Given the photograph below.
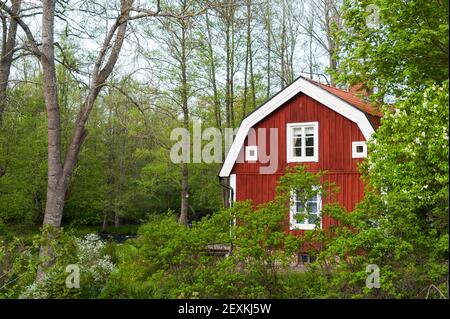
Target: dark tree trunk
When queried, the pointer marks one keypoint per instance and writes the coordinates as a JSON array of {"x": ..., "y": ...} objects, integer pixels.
[{"x": 7, "y": 50}]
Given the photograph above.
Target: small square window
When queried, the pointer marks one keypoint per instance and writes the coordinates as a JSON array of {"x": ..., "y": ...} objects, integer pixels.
[
  {"x": 359, "y": 149},
  {"x": 251, "y": 153}
]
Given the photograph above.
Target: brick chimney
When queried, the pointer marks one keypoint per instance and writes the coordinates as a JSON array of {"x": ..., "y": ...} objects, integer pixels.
[{"x": 360, "y": 89}]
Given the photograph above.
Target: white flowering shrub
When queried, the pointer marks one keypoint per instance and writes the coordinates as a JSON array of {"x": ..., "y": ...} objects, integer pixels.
[
  {"x": 92, "y": 259},
  {"x": 88, "y": 254},
  {"x": 402, "y": 224},
  {"x": 412, "y": 145},
  {"x": 38, "y": 289}
]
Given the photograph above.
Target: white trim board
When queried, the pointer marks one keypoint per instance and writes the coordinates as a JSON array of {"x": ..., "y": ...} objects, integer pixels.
[
  {"x": 233, "y": 186},
  {"x": 300, "y": 85}
]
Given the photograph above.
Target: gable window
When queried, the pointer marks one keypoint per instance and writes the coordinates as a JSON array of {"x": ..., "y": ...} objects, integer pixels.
[
  {"x": 302, "y": 142},
  {"x": 251, "y": 153},
  {"x": 359, "y": 149},
  {"x": 309, "y": 212}
]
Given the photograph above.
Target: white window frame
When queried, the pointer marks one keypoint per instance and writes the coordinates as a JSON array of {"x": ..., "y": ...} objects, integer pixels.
[
  {"x": 294, "y": 224},
  {"x": 289, "y": 143},
  {"x": 355, "y": 153},
  {"x": 248, "y": 156}
]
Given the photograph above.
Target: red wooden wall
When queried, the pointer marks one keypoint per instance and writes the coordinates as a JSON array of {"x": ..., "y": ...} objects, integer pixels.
[{"x": 336, "y": 134}]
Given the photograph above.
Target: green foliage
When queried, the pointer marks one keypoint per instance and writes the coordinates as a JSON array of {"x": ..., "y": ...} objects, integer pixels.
[
  {"x": 22, "y": 158},
  {"x": 19, "y": 262},
  {"x": 402, "y": 224},
  {"x": 169, "y": 260},
  {"x": 124, "y": 173},
  {"x": 165, "y": 261},
  {"x": 409, "y": 154},
  {"x": 408, "y": 48}
]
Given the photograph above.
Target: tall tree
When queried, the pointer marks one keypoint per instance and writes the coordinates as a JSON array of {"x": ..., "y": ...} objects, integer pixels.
[
  {"x": 179, "y": 41},
  {"x": 394, "y": 45},
  {"x": 268, "y": 44},
  {"x": 212, "y": 70},
  {"x": 59, "y": 169},
  {"x": 8, "y": 47},
  {"x": 248, "y": 70},
  {"x": 227, "y": 16}
]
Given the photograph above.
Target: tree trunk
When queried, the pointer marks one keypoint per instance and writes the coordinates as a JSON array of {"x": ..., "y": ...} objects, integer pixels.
[
  {"x": 116, "y": 220},
  {"x": 184, "y": 195},
  {"x": 7, "y": 51},
  {"x": 217, "y": 109},
  {"x": 229, "y": 39},
  {"x": 58, "y": 174},
  {"x": 283, "y": 47},
  {"x": 249, "y": 63},
  {"x": 269, "y": 46},
  {"x": 331, "y": 22},
  {"x": 184, "y": 209},
  {"x": 105, "y": 221},
  {"x": 56, "y": 181}
]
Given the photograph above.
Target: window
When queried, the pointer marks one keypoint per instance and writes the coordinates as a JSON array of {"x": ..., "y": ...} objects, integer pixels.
[
  {"x": 251, "y": 153},
  {"x": 359, "y": 149},
  {"x": 305, "y": 259},
  {"x": 303, "y": 142},
  {"x": 310, "y": 211}
]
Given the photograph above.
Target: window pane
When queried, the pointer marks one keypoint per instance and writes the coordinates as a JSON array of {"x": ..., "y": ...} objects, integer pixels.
[
  {"x": 309, "y": 130},
  {"x": 312, "y": 207},
  {"x": 313, "y": 219},
  {"x": 297, "y": 131},
  {"x": 359, "y": 149},
  {"x": 298, "y": 219},
  {"x": 297, "y": 151},
  {"x": 309, "y": 140},
  {"x": 304, "y": 259},
  {"x": 309, "y": 151},
  {"x": 297, "y": 141},
  {"x": 298, "y": 207}
]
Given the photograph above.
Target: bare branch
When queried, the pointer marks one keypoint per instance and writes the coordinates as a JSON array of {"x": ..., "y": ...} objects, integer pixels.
[{"x": 24, "y": 26}]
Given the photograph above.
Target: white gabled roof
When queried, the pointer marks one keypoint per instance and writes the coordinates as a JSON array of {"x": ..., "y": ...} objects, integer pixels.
[{"x": 301, "y": 85}]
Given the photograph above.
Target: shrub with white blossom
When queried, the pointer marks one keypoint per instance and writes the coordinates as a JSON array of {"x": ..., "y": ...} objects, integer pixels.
[
  {"x": 88, "y": 253},
  {"x": 402, "y": 224}
]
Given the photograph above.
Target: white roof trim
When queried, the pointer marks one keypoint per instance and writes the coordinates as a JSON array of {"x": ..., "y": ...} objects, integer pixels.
[{"x": 300, "y": 85}]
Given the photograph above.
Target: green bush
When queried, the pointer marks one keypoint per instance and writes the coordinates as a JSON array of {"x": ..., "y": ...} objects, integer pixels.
[
  {"x": 19, "y": 261},
  {"x": 402, "y": 224},
  {"x": 169, "y": 260}
]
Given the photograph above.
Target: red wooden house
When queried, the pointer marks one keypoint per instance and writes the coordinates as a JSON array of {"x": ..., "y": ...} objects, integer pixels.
[{"x": 319, "y": 126}]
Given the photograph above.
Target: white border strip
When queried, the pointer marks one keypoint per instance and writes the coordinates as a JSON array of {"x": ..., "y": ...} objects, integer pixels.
[{"x": 233, "y": 186}]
